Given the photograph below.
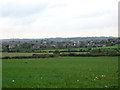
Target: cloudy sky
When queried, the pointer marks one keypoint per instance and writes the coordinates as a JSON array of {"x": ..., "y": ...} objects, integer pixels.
[{"x": 58, "y": 18}]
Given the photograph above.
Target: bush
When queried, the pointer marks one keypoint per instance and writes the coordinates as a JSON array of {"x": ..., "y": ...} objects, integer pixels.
[
  {"x": 6, "y": 57},
  {"x": 43, "y": 55},
  {"x": 112, "y": 52},
  {"x": 104, "y": 52},
  {"x": 64, "y": 54},
  {"x": 56, "y": 52}
]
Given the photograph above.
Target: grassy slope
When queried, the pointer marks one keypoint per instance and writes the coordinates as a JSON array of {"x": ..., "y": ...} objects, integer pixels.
[
  {"x": 20, "y": 54},
  {"x": 63, "y": 49},
  {"x": 115, "y": 46},
  {"x": 63, "y": 72},
  {"x": 30, "y": 54}
]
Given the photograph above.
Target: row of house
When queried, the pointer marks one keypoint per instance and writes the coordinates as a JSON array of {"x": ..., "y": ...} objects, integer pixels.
[{"x": 37, "y": 45}]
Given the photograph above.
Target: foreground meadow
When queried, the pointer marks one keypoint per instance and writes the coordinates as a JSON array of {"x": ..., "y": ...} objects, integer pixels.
[{"x": 61, "y": 72}]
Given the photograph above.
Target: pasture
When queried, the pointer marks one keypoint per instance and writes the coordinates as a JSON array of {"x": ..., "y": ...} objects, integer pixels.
[
  {"x": 109, "y": 47},
  {"x": 78, "y": 49},
  {"x": 5, "y": 54},
  {"x": 20, "y": 54},
  {"x": 60, "y": 72}
]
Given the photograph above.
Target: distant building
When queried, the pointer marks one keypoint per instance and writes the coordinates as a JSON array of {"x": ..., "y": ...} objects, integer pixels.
[{"x": 11, "y": 46}]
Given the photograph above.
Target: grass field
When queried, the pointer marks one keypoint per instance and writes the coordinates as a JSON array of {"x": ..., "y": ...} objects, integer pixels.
[
  {"x": 61, "y": 72},
  {"x": 47, "y": 51},
  {"x": 115, "y": 46},
  {"x": 20, "y": 54},
  {"x": 53, "y": 50},
  {"x": 71, "y": 49},
  {"x": 30, "y": 54},
  {"x": 77, "y": 49}
]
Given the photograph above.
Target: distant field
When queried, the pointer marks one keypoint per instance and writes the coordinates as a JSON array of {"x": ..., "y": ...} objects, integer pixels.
[
  {"x": 62, "y": 72},
  {"x": 47, "y": 51},
  {"x": 53, "y": 50},
  {"x": 77, "y": 49},
  {"x": 115, "y": 46},
  {"x": 76, "y": 52},
  {"x": 20, "y": 54},
  {"x": 30, "y": 54}
]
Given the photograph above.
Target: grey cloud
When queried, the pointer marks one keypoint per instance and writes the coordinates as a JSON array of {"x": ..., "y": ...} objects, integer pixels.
[{"x": 21, "y": 10}]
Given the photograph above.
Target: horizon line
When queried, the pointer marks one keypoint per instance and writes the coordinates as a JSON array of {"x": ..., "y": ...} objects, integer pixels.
[{"x": 60, "y": 37}]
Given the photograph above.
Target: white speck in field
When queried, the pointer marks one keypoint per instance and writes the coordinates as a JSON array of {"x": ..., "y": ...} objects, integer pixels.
[
  {"x": 13, "y": 81},
  {"x": 77, "y": 80},
  {"x": 41, "y": 77},
  {"x": 103, "y": 75},
  {"x": 96, "y": 77},
  {"x": 105, "y": 86}
]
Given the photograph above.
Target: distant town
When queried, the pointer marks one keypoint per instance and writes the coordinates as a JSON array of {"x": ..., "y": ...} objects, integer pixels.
[{"x": 31, "y": 45}]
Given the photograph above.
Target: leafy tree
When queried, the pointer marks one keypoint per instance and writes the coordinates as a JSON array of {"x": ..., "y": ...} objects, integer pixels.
[{"x": 59, "y": 45}]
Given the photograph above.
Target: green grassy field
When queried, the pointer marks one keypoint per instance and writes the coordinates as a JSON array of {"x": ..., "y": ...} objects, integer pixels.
[
  {"x": 77, "y": 49},
  {"x": 115, "y": 46},
  {"x": 47, "y": 51},
  {"x": 71, "y": 49},
  {"x": 61, "y": 72},
  {"x": 53, "y": 50},
  {"x": 20, "y": 54},
  {"x": 30, "y": 54}
]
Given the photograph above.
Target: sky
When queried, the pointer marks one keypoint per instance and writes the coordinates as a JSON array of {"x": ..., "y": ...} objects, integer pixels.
[{"x": 58, "y": 18}]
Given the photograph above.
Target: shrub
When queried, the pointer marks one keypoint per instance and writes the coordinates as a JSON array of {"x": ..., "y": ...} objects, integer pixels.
[
  {"x": 64, "y": 54},
  {"x": 56, "y": 52},
  {"x": 112, "y": 52},
  {"x": 6, "y": 57}
]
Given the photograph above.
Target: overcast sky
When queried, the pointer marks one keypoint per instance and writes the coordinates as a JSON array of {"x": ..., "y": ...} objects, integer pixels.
[{"x": 58, "y": 18}]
